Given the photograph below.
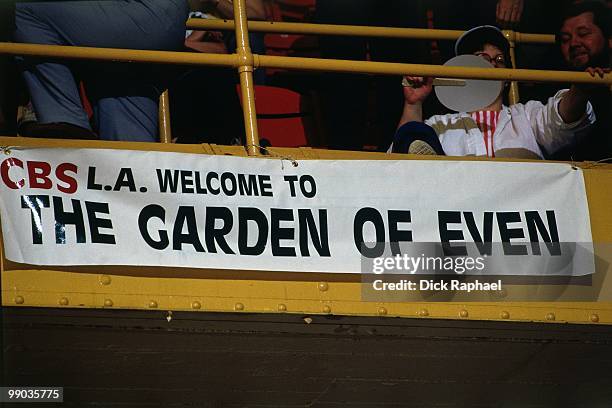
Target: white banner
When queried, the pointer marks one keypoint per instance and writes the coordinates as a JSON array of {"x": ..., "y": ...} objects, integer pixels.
[{"x": 117, "y": 207}]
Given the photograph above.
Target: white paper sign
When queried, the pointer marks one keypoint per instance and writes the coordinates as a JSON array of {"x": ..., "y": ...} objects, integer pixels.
[{"x": 117, "y": 207}]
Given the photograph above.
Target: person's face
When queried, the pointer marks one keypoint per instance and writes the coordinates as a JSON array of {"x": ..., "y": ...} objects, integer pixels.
[
  {"x": 581, "y": 40},
  {"x": 493, "y": 55}
]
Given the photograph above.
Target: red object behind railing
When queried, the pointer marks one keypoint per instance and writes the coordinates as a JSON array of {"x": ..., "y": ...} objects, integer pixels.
[{"x": 279, "y": 116}]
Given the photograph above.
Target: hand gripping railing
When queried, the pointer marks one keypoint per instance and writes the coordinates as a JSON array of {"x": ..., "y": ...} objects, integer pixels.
[{"x": 245, "y": 61}]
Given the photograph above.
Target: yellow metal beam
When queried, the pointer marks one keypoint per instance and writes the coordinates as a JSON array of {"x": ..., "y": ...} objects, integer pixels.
[
  {"x": 352, "y": 30},
  {"x": 52, "y": 288},
  {"x": 245, "y": 70}
]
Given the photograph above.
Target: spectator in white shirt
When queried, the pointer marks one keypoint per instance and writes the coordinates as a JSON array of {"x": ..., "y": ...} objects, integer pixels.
[{"x": 530, "y": 130}]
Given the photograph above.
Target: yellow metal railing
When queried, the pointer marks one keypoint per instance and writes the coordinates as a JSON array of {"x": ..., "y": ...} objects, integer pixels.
[
  {"x": 245, "y": 69},
  {"x": 165, "y": 129},
  {"x": 245, "y": 61},
  {"x": 513, "y": 37},
  {"x": 353, "y": 30},
  {"x": 298, "y": 63}
]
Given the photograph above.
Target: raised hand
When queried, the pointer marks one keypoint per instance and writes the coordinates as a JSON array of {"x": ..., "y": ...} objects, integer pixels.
[
  {"x": 416, "y": 89},
  {"x": 574, "y": 102},
  {"x": 598, "y": 71},
  {"x": 509, "y": 12}
]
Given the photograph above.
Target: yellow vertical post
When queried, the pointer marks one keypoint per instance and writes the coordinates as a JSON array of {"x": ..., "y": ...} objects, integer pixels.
[
  {"x": 165, "y": 132},
  {"x": 245, "y": 69},
  {"x": 514, "y": 89}
]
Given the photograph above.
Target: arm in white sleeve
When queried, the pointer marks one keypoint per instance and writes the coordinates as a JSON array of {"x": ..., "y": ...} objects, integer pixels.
[{"x": 551, "y": 132}]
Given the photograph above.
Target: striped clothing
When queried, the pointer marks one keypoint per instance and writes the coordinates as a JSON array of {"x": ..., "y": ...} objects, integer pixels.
[
  {"x": 487, "y": 123},
  {"x": 523, "y": 131}
]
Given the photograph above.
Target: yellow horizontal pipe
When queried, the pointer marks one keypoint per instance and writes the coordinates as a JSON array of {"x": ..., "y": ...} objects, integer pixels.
[
  {"x": 525, "y": 38},
  {"x": 386, "y": 68},
  {"x": 351, "y": 30},
  {"x": 327, "y": 29},
  {"x": 121, "y": 55},
  {"x": 311, "y": 64}
]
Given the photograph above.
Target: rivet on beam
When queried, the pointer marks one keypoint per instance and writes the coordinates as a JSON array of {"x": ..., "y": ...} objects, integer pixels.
[
  {"x": 238, "y": 307},
  {"x": 382, "y": 311},
  {"x": 323, "y": 286},
  {"x": 550, "y": 316},
  {"x": 108, "y": 303},
  {"x": 423, "y": 313},
  {"x": 505, "y": 315},
  {"x": 595, "y": 318},
  {"x": 326, "y": 309},
  {"x": 63, "y": 301},
  {"x": 282, "y": 307},
  {"x": 105, "y": 280},
  {"x": 463, "y": 313},
  {"x": 196, "y": 305},
  {"x": 152, "y": 304},
  {"x": 19, "y": 300}
]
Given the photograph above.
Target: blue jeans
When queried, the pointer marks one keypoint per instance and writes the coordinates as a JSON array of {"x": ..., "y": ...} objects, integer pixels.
[{"x": 125, "y": 96}]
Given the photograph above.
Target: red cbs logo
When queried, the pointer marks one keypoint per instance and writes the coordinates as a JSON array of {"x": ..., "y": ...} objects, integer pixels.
[{"x": 38, "y": 175}]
